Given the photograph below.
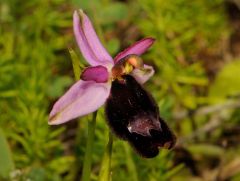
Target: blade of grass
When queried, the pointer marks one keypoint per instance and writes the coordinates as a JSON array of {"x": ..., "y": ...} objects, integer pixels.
[
  {"x": 76, "y": 64},
  {"x": 130, "y": 164},
  {"x": 105, "y": 172},
  {"x": 86, "y": 173},
  {"x": 6, "y": 161},
  {"x": 88, "y": 153}
]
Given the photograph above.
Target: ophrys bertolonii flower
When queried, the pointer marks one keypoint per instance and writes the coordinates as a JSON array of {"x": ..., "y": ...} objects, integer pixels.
[{"x": 131, "y": 111}]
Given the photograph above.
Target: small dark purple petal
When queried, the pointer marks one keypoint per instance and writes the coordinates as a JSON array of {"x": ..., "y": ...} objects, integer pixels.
[
  {"x": 137, "y": 48},
  {"x": 133, "y": 115},
  {"x": 98, "y": 74}
]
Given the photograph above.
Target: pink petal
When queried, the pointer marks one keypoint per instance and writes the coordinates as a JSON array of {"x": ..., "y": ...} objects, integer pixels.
[
  {"x": 88, "y": 42},
  {"x": 93, "y": 40},
  {"x": 142, "y": 75},
  {"x": 82, "y": 41},
  {"x": 98, "y": 74},
  {"x": 137, "y": 48},
  {"x": 82, "y": 98}
]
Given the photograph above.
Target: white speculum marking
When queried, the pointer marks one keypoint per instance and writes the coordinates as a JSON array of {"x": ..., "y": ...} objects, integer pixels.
[{"x": 143, "y": 123}]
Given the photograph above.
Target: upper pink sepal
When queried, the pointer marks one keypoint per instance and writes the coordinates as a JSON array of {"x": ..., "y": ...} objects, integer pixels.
[
  {"x": 98, "y": 74},
  {"x": 88, "y": 42},
  {"x": 137, "y": 48},
  {"x": 82, "y": 98},
  {"x": 142, "y": 75}
]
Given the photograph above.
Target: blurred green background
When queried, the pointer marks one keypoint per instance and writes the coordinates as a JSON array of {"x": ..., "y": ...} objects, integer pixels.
[{"x": 197, "y": 87}]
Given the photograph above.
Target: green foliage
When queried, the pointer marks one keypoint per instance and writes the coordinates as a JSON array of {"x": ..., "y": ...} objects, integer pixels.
[
  {"x": 76, "y": 64},
  {"x": 28, "y": 51},
  {"x": 105, "y": 171},
  {"x": 182, "y": 30}
]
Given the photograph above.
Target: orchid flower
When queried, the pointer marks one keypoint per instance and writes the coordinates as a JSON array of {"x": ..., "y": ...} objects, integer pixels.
[{"x": 131, "y": 112}]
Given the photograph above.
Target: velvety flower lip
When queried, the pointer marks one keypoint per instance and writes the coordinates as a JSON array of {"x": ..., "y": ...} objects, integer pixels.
[
  {"x": 92, "y": 91},
  {"x": 133, "y": 115}
]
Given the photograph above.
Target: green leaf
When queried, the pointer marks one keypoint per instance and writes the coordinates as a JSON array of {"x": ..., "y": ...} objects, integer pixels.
[
  {"x": 130, "y": 164},
  {"x": 105, "y": 173},
  {"x": 113, "y": 46},
  {"x": 7, "y": 94},
  {"x": 37, "y": 174},
  {"x": 113, "y": 12},
  {"x": 206, "y": 149},
  {"x": 227, "y": 82},
  {"x": 6, "y": 162},
  {"x": 174, "y": 171},
  {"x": 58, "y": 86},
  {"x": 77, "y": 66},
  {"x": 66, "y": 162},
  {"x": 201, "y": 81}
]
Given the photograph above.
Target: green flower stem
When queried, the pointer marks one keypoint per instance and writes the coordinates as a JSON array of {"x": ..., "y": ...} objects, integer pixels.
[
  {"x": 88, "y": 153},
  {"x": 105, "y": 172},
  {"x": 130, "y": 163}
]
